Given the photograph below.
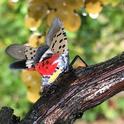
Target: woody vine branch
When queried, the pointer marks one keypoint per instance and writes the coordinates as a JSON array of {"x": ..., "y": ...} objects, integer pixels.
[{"x": 77, "y": 91}]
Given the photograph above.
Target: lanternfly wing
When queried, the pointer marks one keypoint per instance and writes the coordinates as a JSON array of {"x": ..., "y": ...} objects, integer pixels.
[
  {"x": 23, "y": 54},
  {"x": 39, "y": 53},
  {"x": 16, "y": 51},
  {"x": 56, "y": 38},
  {"x": 30, "y": 53},
  {"x": 18, "y": 65},
  {"x": 78, "y": 62}
]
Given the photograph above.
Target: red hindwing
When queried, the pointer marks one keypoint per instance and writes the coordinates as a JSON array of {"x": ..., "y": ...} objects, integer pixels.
[{"x": 46, "y": 67}]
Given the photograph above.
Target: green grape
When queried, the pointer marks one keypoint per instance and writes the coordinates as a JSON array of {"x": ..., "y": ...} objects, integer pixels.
[
  {"x": 93, "y": 7},
  {"x": 37, "y": 10},
  {"x": 36, "y": 39},
  {"x": 74, "y": 4},
  {"x": 69, "y": 21},
  {"x": 32, "y": 23},
  {"x": 32, "y": 81},
  {"x": 51, "y": 16}
]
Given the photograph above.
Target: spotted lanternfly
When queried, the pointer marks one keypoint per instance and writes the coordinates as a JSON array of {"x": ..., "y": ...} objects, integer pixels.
[{"x": 50, "y": 60}]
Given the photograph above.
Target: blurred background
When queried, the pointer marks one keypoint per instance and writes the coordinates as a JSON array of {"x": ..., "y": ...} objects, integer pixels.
[{"x": 95, "y": 30}]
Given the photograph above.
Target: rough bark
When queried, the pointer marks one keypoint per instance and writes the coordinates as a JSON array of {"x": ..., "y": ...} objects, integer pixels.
[
  {"x": 7, "y": 116},
  {"x": 77, "y": 91}
]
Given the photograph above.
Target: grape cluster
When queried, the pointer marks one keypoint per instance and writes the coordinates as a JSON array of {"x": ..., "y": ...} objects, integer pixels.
[
  {"x": 93, "y": 6},
  {"x": 39, "y": 10},
  {"x": 36, "y": 39},
  {"x": 32, "y": 79},
  {"x": 46, "y": 10}
]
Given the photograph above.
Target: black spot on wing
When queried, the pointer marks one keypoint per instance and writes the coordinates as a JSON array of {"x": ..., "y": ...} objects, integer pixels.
[
  {"x": 57, "y": 68},
  {"x": 30, "y": 48},
  {"x": 63, "y": 46},
  {"x": 62, "y": 28},
  {"x": 60, "y": 47},
  {"x": 65, "y": 38},
  {"x": 64, "y": 34},
  {"x": 47, "y": 62},
  {"x": 43, "y": 64},
  {"x": 60, "y": 40},
  {"x": 58, "y": 34},
  {"x": 53, "y": 45}
]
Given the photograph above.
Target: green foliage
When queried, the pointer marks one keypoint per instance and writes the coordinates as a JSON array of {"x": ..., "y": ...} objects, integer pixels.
[
  {"x": 96, "y": 41},
  {"x": 12, "y": 91}
]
